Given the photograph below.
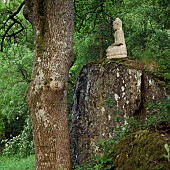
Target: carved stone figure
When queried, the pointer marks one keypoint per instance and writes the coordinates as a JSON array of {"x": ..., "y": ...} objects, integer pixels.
[{"x": 118, "y": 49}]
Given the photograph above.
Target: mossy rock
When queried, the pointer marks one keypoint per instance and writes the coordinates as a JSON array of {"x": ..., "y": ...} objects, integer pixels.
[{"x": 142, "y": 150}]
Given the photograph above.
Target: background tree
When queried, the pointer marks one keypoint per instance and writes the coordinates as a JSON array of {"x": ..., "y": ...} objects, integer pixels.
[
  {"x": 15, "y": 72},
  {"x": 52, "y": 23}
]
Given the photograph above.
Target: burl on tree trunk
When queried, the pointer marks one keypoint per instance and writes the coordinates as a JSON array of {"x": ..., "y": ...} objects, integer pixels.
[{"x": 52, "y": 22}]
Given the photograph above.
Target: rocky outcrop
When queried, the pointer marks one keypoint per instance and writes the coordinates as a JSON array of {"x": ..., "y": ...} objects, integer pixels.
[{"x": 104, "y": 94}]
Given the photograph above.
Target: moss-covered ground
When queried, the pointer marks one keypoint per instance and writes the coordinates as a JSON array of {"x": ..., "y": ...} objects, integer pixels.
[{"x": 142, "y": 150}]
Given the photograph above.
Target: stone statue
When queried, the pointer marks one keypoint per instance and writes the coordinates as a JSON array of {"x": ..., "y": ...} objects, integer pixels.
[{"x": 118, "y": 49}]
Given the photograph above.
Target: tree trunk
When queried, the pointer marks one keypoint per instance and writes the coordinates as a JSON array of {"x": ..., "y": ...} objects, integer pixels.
[{"x": 52, "y": 22}]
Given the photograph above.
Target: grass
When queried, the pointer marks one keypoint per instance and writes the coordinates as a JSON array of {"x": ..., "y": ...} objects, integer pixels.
[{"x": 14, "y": 163}]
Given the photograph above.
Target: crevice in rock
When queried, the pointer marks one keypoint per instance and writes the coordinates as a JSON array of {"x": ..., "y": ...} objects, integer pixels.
[
  {"x": 140, "y": 112},
  {"x": 77, "y": 115}
]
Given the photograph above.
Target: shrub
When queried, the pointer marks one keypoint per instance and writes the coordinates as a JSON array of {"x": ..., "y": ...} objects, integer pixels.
[{"x": 22, "y": 145}]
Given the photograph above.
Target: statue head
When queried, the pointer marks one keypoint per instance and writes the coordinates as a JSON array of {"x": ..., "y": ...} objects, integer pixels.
[{"x": 117, "y": 24}]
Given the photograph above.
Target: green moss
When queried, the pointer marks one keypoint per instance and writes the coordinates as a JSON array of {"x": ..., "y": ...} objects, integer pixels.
[{"x": 142, "y": 150}]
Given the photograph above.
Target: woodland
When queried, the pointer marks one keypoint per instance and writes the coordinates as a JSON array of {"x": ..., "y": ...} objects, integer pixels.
[{"x": 146, "y": 24}]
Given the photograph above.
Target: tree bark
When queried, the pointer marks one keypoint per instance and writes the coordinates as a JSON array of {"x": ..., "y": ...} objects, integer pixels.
[{"x": 52, "y": 22}]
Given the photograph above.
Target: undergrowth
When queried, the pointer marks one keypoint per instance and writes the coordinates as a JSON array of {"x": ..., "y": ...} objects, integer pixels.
[{"x": 158, "y": 114}]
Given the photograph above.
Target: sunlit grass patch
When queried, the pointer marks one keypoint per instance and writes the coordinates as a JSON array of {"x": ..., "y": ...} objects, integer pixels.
[{"x": 14, "y": 163}]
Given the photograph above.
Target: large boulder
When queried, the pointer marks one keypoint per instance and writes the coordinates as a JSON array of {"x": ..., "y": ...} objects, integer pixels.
[{"x": 105, "y": 93}]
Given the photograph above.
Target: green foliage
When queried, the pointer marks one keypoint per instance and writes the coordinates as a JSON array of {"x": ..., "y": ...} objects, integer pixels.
[
  {"x": 24, "y": 37},
  {"x": 105, "y": 161},
  {"x": 109, "y": 102},
  {"x": 15, "y": 163},
  {"x": 102, "y": 161},
  {"x": 91, "y": 13},
  {"x": 21, "y": 145},
  {"x": 166, "y": 146},
  {"x": 2, "y": 130},
  {"x": 85, "y": 51},
  {"x": 15, "y": 71},
  {"x": 157, "y": 112}
]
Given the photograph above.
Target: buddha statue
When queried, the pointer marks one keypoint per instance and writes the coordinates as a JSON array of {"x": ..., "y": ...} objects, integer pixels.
[{"x": 118, "y": 49}]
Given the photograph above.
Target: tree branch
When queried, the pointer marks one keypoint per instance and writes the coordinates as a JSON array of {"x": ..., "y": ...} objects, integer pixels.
[
  {"x": 23, "y": 73},
  {"x": 16, "y": 12},
  {"x": 11, "y": 25}
]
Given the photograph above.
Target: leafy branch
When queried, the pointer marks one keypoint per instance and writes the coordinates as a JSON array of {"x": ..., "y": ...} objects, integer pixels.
[{"x": 15, "y": 21}]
